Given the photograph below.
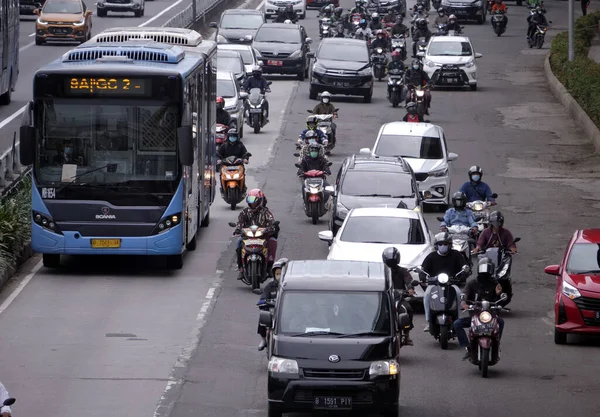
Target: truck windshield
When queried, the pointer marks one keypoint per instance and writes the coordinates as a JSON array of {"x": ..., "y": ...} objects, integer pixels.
[{"x": 139, "y": 141}]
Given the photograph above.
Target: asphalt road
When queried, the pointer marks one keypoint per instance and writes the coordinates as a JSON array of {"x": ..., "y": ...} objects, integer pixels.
[
  {"x": 32, "y": 57},
  {"x": 102, "y": 337}
]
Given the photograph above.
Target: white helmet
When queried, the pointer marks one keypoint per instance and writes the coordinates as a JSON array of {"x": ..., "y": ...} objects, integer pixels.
[
  {"x": 288, "y": 21},
  {"x": 452, "y": 17},
  {"x": 375, "y": 15}
]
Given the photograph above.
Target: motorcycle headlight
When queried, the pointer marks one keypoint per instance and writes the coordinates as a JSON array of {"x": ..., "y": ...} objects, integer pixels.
[
  {"x": 485, "y": 317},
  {"x": 282, "y": 366},
  {"x": 313, "y": 190},
  {"x": 477, "y": 207},
  {"x": 319, "y": 69},
  {"x": 570, "y": 291},
  {"x": 420, "y": 93},
  {"x": 297, "y": 54},
  {"x": 258, "y": 233},
  {"x": 379, "y": 368},
  {"x": 439, "y": 173},
  {"x": 443, "y": 278},
  {"x": 470, "y": 64},
  {"x": 365, "y": 72}
]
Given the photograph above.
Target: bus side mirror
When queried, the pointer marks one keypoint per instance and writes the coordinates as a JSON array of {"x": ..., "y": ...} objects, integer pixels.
[
  {"x": 186, "y": 145},
  {"x": 27, "y": 145}
]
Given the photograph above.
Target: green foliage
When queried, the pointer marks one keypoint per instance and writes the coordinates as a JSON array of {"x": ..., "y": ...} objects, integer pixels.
[
  {"x": 15, "y": 223},
  {"x": 581, "y": 77}
]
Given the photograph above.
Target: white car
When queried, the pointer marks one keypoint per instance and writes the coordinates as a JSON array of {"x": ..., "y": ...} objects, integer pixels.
[
  {"x": 248, "y": 53},
  {"x": 229, "y": 89},
  {"x": 272, "y": 7},
  {"x": 450, "y": 61},
  {"x": 423, "y": 146},
  {"x": 367, "y": 231}
]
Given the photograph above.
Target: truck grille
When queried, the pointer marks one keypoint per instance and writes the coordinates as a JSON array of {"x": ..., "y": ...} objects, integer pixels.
[{"x": 335, "y": 374}]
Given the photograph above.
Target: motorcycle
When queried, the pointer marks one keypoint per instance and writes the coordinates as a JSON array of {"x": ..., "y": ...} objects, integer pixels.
[
  {"x": 398, "y": 43},
  {"x": 378, "y": 60},
  {"x": 355, "y": 20},
  {"x": 403, "y": 317},
  {"x": 325, "y": 122},
  {"x": 421, "y": 48},
  {"x": 313, "y": 193},
  {"x": 233, "y": 180},
  {"x": 221, "y": 133},
  {"x": 255, "y": 112},
  {"x": 325, "y": 27},
  {"x": 462, "y": 241},
  {"x": 502, "y": 259},
  {"x": 538, "y": 37},
  {"x": 481, "y": 212},
  {"x": 484, "y": 333},
  {"x": 443, "y": 306},
  {"x": 417, "y": 95},
  {"x": 255, "y": 255},
  {"x": 499, "y": 23},
  {"x": 269, "y": 307},
  {"x": 396, "y": 89},
  {"x": 442, "y": 30}
]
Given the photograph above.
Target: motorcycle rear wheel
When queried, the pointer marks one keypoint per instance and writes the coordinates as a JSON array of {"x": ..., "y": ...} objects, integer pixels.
[{"x": 444, "y": 336}]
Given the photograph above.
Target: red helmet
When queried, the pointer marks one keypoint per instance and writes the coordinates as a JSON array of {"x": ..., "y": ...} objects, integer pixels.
[
  {"x": 220, "y": 102},
  {"x": 395, "y": 53},
  {"x": 255, "y": 198}
]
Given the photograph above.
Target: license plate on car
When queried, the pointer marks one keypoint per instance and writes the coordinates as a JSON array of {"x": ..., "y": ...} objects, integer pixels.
[
  {"x": 254, "y": 242},
  {"x": 336, "y": 403},
  {"x": 275, "y": 63},
  {"x": 452, "y": 80},
  {"x": 106, "y": 243},
  {"x": 255, "y": 110},
  {"x": 340, "y": 84}
]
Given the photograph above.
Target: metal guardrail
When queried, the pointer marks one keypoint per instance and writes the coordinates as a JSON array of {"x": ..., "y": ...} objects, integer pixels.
[{"x": 11, "y": 170}]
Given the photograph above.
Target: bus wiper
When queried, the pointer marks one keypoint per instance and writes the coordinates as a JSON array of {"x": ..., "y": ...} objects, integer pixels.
[
  {"x": 364, "y": 334},
  {"x": 115, "y": 186},
  {"x": 110, "y": 167},
  {"x": 316, "y": 333}
]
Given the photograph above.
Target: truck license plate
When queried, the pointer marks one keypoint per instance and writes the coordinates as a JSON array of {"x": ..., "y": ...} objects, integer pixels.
[{"x": 328, "y": 403}]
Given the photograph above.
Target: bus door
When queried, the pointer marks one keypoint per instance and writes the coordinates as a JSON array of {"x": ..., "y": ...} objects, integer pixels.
[
  {"x": 193, "y": 176},
  {"x": 4, "y": 30}
]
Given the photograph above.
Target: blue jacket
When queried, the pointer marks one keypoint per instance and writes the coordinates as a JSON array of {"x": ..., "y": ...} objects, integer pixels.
[
  {"x": 454, "y": 217},
  {"x": 474, "y": 191},
  {"x": 252, "y": 82},
  {"x": 320, "y": 135}
]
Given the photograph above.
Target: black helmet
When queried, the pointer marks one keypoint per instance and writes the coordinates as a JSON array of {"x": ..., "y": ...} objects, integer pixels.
[
  {"x": 496, "y": 219},
  {"x": 391, "y": 256},
  {"x": 279, "y": 264},
  {"x": 485, "y": 271},
  {"x": 338, "y": 11},
  {"x": 310, "y": 135},
  {"x": 422, "y": 23},
  {"x": 441, "y": 12},
  {"x": 442, "y": 237},
  {"x": 411, "y": 107},
  {"x": 475, "y": 170},
  {"x": 459, "y": 200}
]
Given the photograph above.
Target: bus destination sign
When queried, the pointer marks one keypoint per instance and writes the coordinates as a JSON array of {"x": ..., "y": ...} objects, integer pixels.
[{"x": 109, "y": 86}]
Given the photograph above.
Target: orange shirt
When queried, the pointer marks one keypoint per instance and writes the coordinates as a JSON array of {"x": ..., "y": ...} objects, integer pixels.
[{"x": 499, "y": 6}]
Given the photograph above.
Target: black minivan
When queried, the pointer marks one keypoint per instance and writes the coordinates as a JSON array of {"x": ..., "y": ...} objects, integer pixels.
[{"x": 334, "y": 339}]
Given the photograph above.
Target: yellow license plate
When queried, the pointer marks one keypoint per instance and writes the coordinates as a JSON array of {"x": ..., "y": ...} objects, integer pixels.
[{"x": 106, "y": 243}]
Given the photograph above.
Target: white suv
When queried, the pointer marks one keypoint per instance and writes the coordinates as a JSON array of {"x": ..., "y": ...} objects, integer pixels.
[
  {"x": 272, "y": 6},
  {"x": 450, "y": 61},
  {"x": 423, "y": 146}
]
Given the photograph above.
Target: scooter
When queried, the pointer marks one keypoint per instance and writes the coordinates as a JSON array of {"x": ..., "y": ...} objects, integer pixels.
[
  {"x": 325, "y": 122},
  {"x": 221, "y": 133},
  {"x": 313, "y": 193},
  {"x": 398, "y": 43},
  {"x": 268, "y": 307},
  {"x": 396, "y": 89},
  {"x": 325, "y": 27},
  {"x": 378, "y": 61},
  {"x": 233, "y": 179},
  {"x": 403, "y": 317},
  {"x": 255, "y": 112},
  {"x": 499, "y": 23},
  {"x": 462, "y": 240},
  {"x": 484, "y": 333},
  {"x": 502, "y": 260},
  {"x": 481, "y": 212}
]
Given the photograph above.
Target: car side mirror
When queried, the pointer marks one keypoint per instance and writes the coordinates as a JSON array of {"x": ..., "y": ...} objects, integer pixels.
[
  {"x": 365, "y": 151},
  {"x": 452, "y": 156},
  {"x": 478, "y": 55},
  {"x": 243, "y": 95},
  {"x": 9, "y": 401},
  {"x": 326, "y": 236},
  {"x": 310, "y": 55},
  {"x": 309, "y": 41},
  {"x": 260, "y": 63},
  {"x": 265, "y": 319},
  {"x": 213, "y": 25},
  {"x": 552, "y": 269},
  {"x": 27, "y": 148},
  {"x": 330, "y": 190},
  {"x": 232, "y": 224},
  {"x": 36, "y": 12},
  {"x": 440, "y": 218},
  {"x": 494, "y": 195},
  {"x": 517, "y": 240}
]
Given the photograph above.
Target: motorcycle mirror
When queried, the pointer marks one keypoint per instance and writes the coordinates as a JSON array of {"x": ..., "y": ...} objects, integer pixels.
[
  {"x": 414, "y": 283},
  {"x": 296, "y": 154},
  {"x": 517, "y": 240},
  {"x": 462, "y": 297},
  {"x": 9, "y": 401},
  {"x": 465, "y": 267},
  {"x": 269, "y": 82},
  {"x": 549, "y": 21},
  {"x": 231, "y": 224},
  {"x": 276, "y": 223},
  {"x": 440, "y": 218},
  {"x": 503, "y": 296},
  {"x": 337, "y": 110},
  {"x": 297, "y": 165},
  {"x": 249, "y": 154},
  {"x": 494, "y": 195},
  {"x": 310, "y": 111},
  {"x": 329, "y": 164}
]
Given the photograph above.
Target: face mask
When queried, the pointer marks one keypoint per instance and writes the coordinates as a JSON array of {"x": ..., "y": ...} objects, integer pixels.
[
  {"x": 314, "y": 154},
  {"x": 476, "y": 178},
  {"x": 278, "y": 275},
  {"x": 443, "y": 249},
  {"x": 233, "y": 138},
  {"x": 68, "y": 151},
  {"x": 415, "y": 67},
  {"x": 325, "y": 100}
]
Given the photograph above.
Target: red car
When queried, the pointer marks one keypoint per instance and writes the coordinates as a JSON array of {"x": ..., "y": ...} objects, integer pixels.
[{"x": 577, "y": 299}]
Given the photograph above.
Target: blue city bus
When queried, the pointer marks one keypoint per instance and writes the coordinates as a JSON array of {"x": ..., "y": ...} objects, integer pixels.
[
  {"x": 9, "y": 48},
  {"x": 119, "y": 136}
]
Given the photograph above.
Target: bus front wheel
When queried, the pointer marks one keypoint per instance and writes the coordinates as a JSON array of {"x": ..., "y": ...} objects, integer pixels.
[
  {"x": 51, "y": 260},
  {"x": 175, "y": 261}
]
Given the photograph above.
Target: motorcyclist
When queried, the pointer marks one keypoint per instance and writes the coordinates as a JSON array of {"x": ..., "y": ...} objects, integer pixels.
[
  {"x": 475, "y": 189},
  {"x": 325, "y": 107},
  {"x": 534, "y": 19},
  {"x": 459, "y": 214},
  {"x": 396, "y": 66},
  {"x": 375, "y": 22},
  {"x": 500, "y": 7},
  {"x": 402, "y": 281},
  {"x": 444, "y": 260},
  {"x": 453, "y": 25},
  {"x": 496, "y": 235},
  {"x": 363, "y": 32},
  {"x": 360, "y": 9},
  {"x": 315, "y": 160},
  {"x": 380, "y": 41},
  {"x": 288, "y": 13},
  {"x": 421, "y": 32},
  {"x": 327, "y": 11},
  {"x": 258, "y": 81},
  {"x": 270, "y": 293},
  {"x": 482, "y": 287},
  {"x": 311, "y": 125},
  {"x": 441, "y": 18},
  {"x": 338, "y": 15},
  {"x": 416, "y": 76},
  {"x": 5, "y": 411},
  {"x": 390, "y": 17},
  {"x": 223, "y": 116},
  {"x": 255, "y": 214},
  {"x": 233, "y": 147},
  {"x": 412, "y": 115},
  {"x": 399, "y": 28},
  {"x": 339, "y": 31}
]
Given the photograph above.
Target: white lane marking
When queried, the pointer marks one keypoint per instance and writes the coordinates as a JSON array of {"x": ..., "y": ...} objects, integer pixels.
[
  {"x": 161, "y": 13},
  {"x": 176, "y": 379},
  {"x": 20, "y": 288},
  {"x": 12, "y": 117},
  {"x": 262, "y": 3}
]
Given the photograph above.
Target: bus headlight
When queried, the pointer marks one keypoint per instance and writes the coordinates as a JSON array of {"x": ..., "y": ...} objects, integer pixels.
[
  {"x": 45, "y": 221},
  {"x": 166, "y": 223}
]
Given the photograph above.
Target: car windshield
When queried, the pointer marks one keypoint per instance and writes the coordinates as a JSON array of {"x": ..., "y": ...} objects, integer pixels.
[
  {"x": 341, "y": 313},
  {"x": 420, "y": 147},
  {"x": 226, "y": 88},
  {"x": 246, "y": 55},
  {"x": 450, "y": 49},
  {"x": 584, "y": 259},
  {"x": 69, "y": 7},
  {"x": 335, "y": 52},
  {"x": 388, "y": 230},
  {"x": 278, "y": 35},
  {"x": 377, "y": 184},
  {"x": 229, "y": 64},
  {"x": 241, "y": 21}
]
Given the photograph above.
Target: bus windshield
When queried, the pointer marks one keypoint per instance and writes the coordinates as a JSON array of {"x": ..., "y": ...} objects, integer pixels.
[{"x": 122, "y": 140}]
